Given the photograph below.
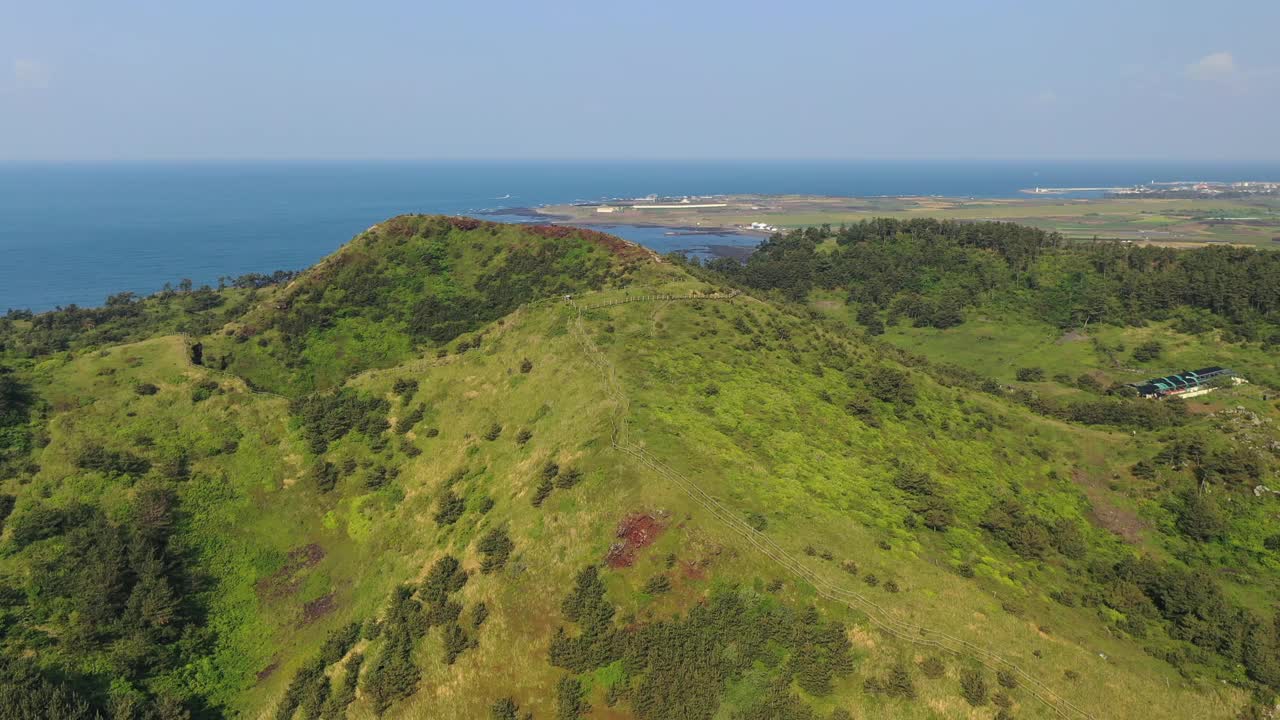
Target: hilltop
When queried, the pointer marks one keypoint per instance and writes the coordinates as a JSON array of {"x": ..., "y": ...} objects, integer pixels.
[{"x": 464, "y": 469}]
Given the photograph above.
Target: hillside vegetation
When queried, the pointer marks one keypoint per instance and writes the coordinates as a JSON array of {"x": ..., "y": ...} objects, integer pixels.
[{"x": 418, "y": 480}]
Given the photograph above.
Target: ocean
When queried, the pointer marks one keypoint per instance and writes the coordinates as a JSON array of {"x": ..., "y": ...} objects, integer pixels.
[{"x": 73, "y": 234}]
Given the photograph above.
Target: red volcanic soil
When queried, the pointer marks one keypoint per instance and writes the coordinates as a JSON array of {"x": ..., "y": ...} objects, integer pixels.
[
  {"x": 288, "y": 578},
  {"x": 614, "y": 244},
  {"x": 318, "y": 608},
  {"x": 267, "y": 671},
  {"x": 693, "y": 571},
  {"x": 634, "y": 532}
]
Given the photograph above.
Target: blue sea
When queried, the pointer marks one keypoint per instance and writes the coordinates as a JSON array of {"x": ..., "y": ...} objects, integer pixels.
[{"x": 77, "y": 233}]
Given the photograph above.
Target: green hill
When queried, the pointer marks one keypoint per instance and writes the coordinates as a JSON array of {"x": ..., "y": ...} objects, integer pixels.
[{"x": 418, "y": 480}]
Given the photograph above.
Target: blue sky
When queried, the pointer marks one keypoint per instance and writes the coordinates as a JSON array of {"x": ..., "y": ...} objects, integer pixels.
[{"x": 235, "y": 80}]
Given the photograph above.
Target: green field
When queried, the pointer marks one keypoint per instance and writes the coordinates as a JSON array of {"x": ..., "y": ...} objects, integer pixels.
[{"x": 1253, "y": 222}]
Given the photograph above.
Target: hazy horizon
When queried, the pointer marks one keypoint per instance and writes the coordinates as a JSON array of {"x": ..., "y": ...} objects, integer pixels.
[{"x": 565, "y": 81}]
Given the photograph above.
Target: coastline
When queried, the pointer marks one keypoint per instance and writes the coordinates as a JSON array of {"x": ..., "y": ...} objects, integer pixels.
[{"x": 1252, "y": 221}]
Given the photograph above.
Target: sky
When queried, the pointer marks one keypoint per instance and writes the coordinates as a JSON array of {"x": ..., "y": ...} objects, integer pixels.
[{"x": 320, "y": 80}]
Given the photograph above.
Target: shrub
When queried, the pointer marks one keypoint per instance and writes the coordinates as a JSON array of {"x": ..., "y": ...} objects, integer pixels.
[
  {"x": 1089, "y": 383},
  {"x": 891, "y": 586},
  {"x": 540, "y": 494},
  {"x": 455, "y": 641},
  {"x": 405, "y": 388},
  {"x": 40, "y": 522},
  {"x": 571, "y": 700},
  {"x": 111, "y": 462},
  {"x": 933, "y": 667},
  {"x": 505, "y": 709},
  {"x": 898, "y": 682},
  {"x": 479, "y": 614},
  {"x": 494, "y": 431},
  {"x": 413, "y": 417},
  {"x": 449, "y": 508},
  {"x": 379, "y": 476},
  {"x": 658, "y": 584},
  {"x": 757, "y": 521},
  {"x": 1201, "y": 517},
  {"x": 892, "y": 386},
  {"x": 526, "y": 365},
  {"x": 1148, "y": 351},
  {"x": 6, "y": 506},
  {"x": 524, "y": 436},
  {"x": 204, "y": 390},
  {"x": 569, "y": 478},
  {"x": 146, "y": 389},
  {"x": 323, "y": 476},
  {"x": 1144, "y": 470},
  {"x": 1007, "y": 679},
  {"x": 496, "y": 547},
  {"x": 973, "y": 687},
  {"x": 339, "y": 642},
  {"x": 1272, "y": 543},
  {"x": 1030, "y": 374}
]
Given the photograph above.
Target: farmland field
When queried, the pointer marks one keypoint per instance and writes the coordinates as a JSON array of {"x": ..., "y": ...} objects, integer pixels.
[{"x": 1253, "y": 222}]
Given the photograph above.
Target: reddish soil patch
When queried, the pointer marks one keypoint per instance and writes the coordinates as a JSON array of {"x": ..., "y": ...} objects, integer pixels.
[
  {"x": 612, "y": 243},
  {"x": 1105, "y": 514},
  {"x": 693, "y": 571},
  {"x": 318, "y": 608},
  {"x": 466, "y": 223},
  {"x": 268, "y": 671},
  {"x": 288, "y": 578},
  {"x": 634, "y": 532}
]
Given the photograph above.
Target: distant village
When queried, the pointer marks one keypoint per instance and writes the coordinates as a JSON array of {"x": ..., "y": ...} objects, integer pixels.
[
  {"x": 1176, "y": 189},
  {"x": 1200, "y": 189}
]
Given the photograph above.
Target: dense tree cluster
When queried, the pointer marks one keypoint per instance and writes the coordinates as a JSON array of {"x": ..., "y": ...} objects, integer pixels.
[
  {"x": 17, "y": 402},
  {"x": 115, "y": 590},
  {"x": 327, "y": 417},
  {"x": 1194, "y": 610},
  {"x": 680, "y": 667},
  {"x": 927, "y": 500},
  {"x": 928, "y": 272},
  {"x": 126, "y": 317},
  {"x": 394, "y": 674},
  {"x": 311, "y": 693}
]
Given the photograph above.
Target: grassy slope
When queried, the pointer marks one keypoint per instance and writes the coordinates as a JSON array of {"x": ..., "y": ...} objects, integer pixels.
[
  {"x": 407, "y": 282},
  {"x": 996, "y": 343},
  {"x": 822, "y": 481},
  {"x": 765, "y": 443}
]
